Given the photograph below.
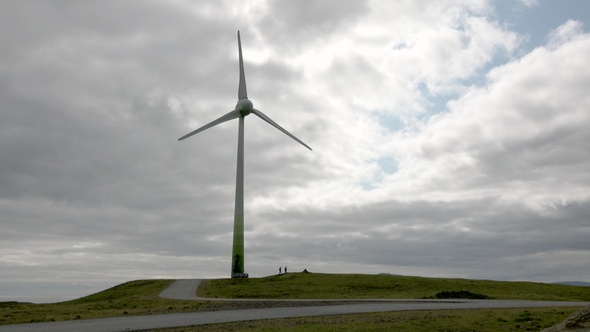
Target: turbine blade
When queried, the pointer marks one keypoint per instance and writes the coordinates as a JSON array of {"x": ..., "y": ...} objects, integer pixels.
[
  {"x": 276, "y": 125},
  {"x": 242, "y": 93},
  {"x": 229, "y": 116}
]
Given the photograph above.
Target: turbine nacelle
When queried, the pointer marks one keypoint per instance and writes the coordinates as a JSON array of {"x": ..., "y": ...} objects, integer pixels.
[{"x": 244, "y": 106}]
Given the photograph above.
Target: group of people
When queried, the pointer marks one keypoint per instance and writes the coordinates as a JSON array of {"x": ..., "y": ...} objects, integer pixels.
[{"x": 281, "y": 271}]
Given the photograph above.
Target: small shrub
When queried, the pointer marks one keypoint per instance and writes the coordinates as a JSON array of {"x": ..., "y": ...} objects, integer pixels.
[{"x": 460, "y": 295}]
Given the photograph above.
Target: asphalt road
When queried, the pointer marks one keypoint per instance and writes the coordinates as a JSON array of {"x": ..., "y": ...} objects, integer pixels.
[
  {"x": 182, "y": 289},
  {"x": 198, "y": 318}
]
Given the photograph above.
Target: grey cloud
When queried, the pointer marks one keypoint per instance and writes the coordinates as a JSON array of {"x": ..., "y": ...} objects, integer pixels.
[
  {"x": 473, "y": 237},
  {"x": 292, "y": 25},
  {"x": 95, "y": 187}
]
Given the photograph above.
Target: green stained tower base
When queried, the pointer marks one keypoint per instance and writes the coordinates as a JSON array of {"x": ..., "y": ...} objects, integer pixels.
[{"x": 238, "y": 270}]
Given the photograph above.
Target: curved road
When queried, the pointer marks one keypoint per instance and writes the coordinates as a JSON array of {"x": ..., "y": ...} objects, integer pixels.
[{"x": 186, "y": 289}]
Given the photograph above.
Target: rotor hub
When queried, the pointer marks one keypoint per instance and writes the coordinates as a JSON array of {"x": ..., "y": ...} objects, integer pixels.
[{"x": 245, "y": 106}]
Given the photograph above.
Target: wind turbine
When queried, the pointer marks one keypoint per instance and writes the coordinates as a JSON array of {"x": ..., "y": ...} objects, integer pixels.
[{"x": 242, "y": 109}]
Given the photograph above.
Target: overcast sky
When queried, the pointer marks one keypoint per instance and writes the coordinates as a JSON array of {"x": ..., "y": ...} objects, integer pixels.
[{"x": 450, "y": 139}]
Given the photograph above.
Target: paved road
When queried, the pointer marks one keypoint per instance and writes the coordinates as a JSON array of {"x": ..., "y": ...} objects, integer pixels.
[
  {"x": 182, "y": 289},
  {"x": 199, "y": 318}
]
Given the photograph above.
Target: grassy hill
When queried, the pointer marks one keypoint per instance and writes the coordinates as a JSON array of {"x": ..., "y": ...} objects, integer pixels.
[
  {"x": 141, "y": 297},
  {"x": 362, "y": 286}
]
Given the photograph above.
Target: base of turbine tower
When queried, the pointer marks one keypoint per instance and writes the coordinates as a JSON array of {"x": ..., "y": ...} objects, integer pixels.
[{"x": 240, "y": 275}]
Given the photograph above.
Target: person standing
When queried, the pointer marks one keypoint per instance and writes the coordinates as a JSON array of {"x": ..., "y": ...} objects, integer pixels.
[
  {"x": 285, "y": 270},
  {"x": 280, "y": 271}
]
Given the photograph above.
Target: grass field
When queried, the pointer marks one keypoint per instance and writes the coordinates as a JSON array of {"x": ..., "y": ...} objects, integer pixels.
[
  {"x": 361, "y": 286},
  {"x": 480, "y": 320},
  {"x": 141, "y": 298}
]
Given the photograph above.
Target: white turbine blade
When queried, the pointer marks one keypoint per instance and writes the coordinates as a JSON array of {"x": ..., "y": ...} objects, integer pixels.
[
  {"x": 242, "y": 94},
  {"x": 276, "y": 125},
  {"x": 229, "y": 116}
]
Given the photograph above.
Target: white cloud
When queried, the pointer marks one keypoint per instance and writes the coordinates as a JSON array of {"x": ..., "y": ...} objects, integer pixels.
[
  {"x": 530, "y": 3},
  {"x": 565, "y": 32},
  {"x": 362, "y": 73},
  {"x": 520, "y": 137}
]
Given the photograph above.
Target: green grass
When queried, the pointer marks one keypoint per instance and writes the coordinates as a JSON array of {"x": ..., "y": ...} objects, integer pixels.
[
  {"x": 141, "y": 297},
  {"x": 481, "y": 320},
  {"x": 361, "y": 286}
]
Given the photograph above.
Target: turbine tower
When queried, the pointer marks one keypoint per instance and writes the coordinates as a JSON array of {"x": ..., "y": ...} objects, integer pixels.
[{"x": 242, "y": 109}]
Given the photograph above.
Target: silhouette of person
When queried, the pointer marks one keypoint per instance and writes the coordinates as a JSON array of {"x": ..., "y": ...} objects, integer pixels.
[
  {"x": 280, "y": 271},
  {"x": 285, "y": 270}
]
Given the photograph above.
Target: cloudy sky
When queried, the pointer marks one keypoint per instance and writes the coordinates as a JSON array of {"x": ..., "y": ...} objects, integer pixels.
[{"x": 450, "y": 139}]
